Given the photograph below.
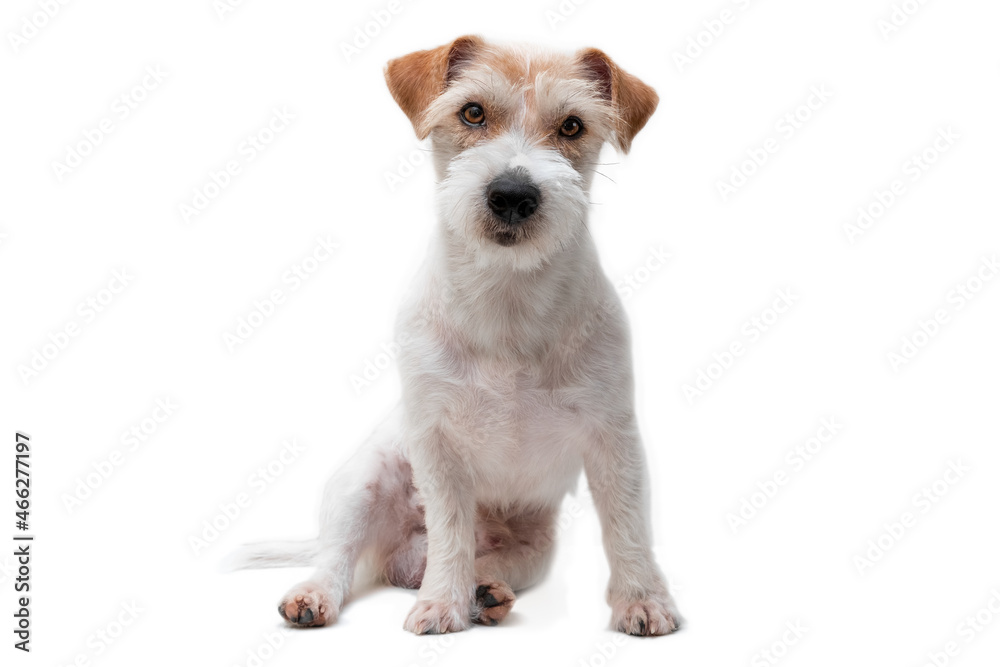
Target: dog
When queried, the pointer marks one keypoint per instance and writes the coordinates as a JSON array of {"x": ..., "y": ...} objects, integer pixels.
[{"x": 514, "y": 357}]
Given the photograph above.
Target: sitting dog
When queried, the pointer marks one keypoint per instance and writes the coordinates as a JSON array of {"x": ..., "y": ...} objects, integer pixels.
[{"x": 515, "y": 360}]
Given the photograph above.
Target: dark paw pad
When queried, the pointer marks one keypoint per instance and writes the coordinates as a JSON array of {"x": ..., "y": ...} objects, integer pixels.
[
  {"x": 305, "y": 609},
  {"x": 494, "y": 601}
]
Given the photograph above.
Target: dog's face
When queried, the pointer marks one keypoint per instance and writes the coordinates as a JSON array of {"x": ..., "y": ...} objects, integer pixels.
[{"x": 516, "y": 135}]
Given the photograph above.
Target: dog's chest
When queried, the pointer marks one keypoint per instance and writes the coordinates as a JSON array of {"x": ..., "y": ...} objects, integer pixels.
[{"x": 527, "y": 435}]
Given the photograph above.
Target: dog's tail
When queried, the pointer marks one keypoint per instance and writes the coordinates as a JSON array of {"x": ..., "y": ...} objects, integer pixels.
[{"x": 273, "y": 554}]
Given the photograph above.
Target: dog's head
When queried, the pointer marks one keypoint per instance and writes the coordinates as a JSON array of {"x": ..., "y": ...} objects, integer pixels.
[{"x": 516, "y": 135}]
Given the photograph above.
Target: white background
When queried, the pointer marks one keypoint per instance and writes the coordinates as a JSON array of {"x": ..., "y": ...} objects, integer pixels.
[{"x": 794, "y": 561}]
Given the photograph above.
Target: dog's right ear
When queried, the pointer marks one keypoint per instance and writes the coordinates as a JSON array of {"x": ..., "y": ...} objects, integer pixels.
[
  {"x": 415, "y": 80},
  {"x": 633, "y": 100}
]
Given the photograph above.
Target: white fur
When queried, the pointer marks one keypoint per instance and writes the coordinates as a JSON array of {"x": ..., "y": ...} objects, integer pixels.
[
  {"x": 516, "y": 376},
  {"x": 461, "y": 206}
]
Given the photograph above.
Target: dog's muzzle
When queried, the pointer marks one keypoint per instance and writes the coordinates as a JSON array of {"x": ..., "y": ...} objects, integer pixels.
[{"x": 512, "y": 196}]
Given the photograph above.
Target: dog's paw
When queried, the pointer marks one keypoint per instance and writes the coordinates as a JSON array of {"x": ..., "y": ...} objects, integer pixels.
[
  {"x": 493, "y": 602},
  {"x": 654, "y": 615},
  {"x": 307, "y": 606},
  {"x": 432, "y": 617}
]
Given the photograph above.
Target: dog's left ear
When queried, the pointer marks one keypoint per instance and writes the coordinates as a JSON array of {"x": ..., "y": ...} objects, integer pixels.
[
  {"x": 633, "y": 101},
  {"x": 415, "y": 80}
]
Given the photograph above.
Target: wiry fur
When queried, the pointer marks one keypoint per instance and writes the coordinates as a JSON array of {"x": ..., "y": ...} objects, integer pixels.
[{"x": 516, "y": 366}]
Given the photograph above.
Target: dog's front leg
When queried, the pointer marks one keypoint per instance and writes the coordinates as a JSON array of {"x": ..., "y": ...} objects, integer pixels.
[
  {"x": 619, "y": 482},
  {"x": 445, "y": 600}
]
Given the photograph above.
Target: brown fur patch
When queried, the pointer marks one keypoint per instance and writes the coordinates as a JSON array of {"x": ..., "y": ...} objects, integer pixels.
[
  {"x": 634, "y": 101},
  {"x": 416, "y": 79}
]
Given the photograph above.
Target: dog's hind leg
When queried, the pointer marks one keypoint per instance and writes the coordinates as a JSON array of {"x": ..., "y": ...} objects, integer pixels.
[
  {"x": 360, "y": 501},
  {"x": 512, "y": 553}
]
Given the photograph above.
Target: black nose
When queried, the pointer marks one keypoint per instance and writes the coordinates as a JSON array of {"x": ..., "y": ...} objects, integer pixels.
[{"x": 512, "y": 197}]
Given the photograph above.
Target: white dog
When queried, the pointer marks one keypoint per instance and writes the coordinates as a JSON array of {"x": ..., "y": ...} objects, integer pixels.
[{"x": 515, "y": 359}]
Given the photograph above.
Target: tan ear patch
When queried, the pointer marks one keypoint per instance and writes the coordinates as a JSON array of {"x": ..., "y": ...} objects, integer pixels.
[
  {"x": 417, "y": 79},
  {"x": 634, "y": 101}
]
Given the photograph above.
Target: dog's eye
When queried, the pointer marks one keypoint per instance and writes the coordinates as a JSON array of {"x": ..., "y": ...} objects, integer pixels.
[
  {"x": 473, "y": 114},
  {"x": 571, "y": 127}
]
